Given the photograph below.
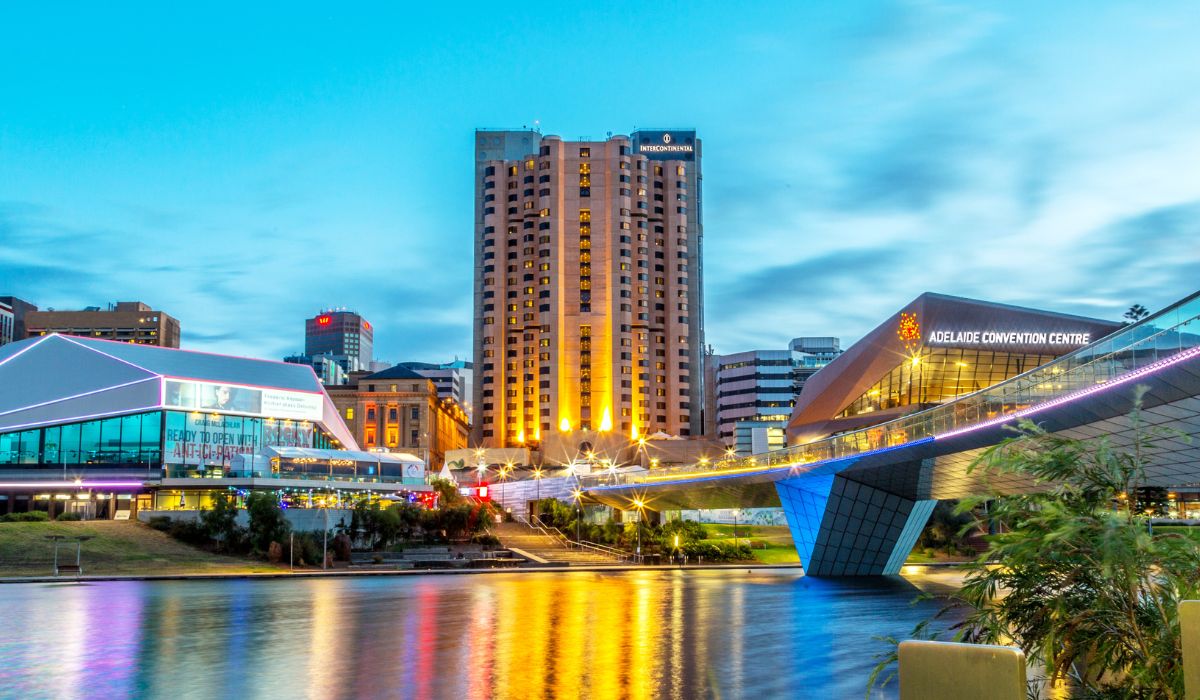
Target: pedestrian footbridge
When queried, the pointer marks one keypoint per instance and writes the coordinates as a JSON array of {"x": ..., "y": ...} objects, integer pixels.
[{"x": 856, "y": 502}]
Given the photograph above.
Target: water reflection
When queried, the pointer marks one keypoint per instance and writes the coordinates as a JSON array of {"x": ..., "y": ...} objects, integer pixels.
[{"x": 643, "y": 634}]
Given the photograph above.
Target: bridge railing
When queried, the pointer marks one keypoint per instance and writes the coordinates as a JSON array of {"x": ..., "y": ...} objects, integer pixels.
[{"x": 1124, "y": 354}]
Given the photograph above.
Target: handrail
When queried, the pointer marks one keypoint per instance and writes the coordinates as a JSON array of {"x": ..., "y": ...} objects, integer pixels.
[
  {"x": 582, "y": 544},
  {"x": 1128, "y": 352}
]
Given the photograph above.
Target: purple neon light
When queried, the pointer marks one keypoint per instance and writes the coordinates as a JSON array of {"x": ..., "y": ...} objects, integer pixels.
[
  {"x": 1065, "y": 398},
  {"x": 79, "y": 396},
  {"x": 70, "y": 484},
  {"x": 72, "y": 419},
  {"x": 113, "y": 357},
  {"x": 32, "y": 345},
  {"x": 1079, "y": 393}
]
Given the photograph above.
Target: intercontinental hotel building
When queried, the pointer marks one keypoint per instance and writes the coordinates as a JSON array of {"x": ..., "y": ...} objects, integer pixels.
[{"x": 588, "y": 286}]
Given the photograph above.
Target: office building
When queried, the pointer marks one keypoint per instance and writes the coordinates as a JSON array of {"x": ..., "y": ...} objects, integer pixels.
[
  {"x": 751, "y": 393},
  {"x": 100, "y": 427},
  {"x": 342, "y": 335},
  {"x": 326, "y": 368},
  {"x": 19, "y": 308},
  {"x": 398, "y": 410},
  {"x": 588, "y": 286},
  {"x": 7, "y": 322},
  {"x": 454, "y": 380},
  {"x": 125, "y": 322}
]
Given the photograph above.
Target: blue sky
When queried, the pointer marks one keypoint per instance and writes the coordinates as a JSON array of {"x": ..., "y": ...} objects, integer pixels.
[{"x": 242, "y": 168}]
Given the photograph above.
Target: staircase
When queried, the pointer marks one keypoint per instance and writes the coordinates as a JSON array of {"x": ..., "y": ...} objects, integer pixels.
[{"x": 519, "y": 536}]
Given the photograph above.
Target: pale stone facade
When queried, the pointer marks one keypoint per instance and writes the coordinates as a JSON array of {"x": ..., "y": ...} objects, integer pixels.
[{"x": 587, "y": 286}]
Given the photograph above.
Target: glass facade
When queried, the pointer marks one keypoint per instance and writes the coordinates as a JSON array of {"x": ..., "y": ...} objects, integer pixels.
[
  {"x": 137, "y": 441},
  {"x": 938, "y": 375},
  {"x": 134, "y": 440}
]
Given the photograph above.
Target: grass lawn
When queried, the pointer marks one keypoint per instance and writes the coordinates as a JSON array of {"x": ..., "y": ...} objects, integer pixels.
[
  {"x": 117, "y": 547},
  {"x": 770, "y": 544}
]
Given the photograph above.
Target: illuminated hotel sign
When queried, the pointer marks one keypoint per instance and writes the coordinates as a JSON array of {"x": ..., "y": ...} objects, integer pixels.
[
  {"x": 229, "y": 398},
  {"x": 667, "y": 144},
  {"x": 972, "y": 337}
]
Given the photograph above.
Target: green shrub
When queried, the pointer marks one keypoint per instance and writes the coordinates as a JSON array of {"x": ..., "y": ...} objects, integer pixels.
[
  {"x": 689, "y": 531},
  {"x": 160, "y": 522},
  {"x": 33, "y": 516},
  {"x": 306, "y": 548},
  {"x": 267, "y": 522},
  {"x": 188, "y": 531},
  {"x": 717, "y": 551},
  {"x": 69, "y": 517},
  {"x": 219, "y": 523},
  {"x": 486, "y": 539}
]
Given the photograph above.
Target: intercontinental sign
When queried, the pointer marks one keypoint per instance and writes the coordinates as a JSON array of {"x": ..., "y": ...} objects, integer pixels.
[
  {"x": 669, "y": 144},
  {"x": 972, "y": 337}
]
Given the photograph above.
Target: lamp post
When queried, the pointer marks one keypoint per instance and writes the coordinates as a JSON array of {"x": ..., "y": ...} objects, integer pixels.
[
  {"x": 639, "y": 504},
  {"x": 537, "y": 477},
  {"x": 578, "y": 495}
]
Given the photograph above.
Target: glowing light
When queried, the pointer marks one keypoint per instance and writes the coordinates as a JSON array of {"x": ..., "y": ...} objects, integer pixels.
[
  {"x": 564, "y": 425},
  {"x": 69, "y": 484},
  {"x": 521, "y": 436},
  {"x": 916, "y": 360},
  {"x": 323, "y": 320},
  {"x": 606, "y": 421},
  {"x": 633, "y": 434}
]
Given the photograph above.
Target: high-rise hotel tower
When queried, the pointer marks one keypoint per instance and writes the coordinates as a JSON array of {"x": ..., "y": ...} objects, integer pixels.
[{"x": 588, "y": 286}]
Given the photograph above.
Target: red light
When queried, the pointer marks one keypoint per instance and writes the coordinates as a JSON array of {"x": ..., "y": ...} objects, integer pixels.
[
  {"x": 366, "y": 325},
  {"x": 323, "y": 320}
]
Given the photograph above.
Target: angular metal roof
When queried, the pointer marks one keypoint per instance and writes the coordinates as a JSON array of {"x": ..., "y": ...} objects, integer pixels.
[{"x": 55, "y": 379}]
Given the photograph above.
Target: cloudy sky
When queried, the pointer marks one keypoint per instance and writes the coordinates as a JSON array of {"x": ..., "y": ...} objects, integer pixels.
[{"x": 242, "y": 168}]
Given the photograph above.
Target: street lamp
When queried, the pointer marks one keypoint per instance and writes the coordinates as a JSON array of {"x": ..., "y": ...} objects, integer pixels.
[
  {"x": 578, "y": 496},
  {"x": 639, "y": 504},
  {"x": 537, "y": 477}
]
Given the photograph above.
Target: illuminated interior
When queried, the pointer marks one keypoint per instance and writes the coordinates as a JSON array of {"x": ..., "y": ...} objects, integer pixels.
[{"x": 937, "y": 375}]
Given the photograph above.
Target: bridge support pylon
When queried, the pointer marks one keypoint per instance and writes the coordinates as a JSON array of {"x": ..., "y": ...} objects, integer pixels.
[{"x": 843, "y": 527}]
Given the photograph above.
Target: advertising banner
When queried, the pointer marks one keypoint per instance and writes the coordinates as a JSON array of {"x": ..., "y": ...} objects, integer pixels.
[
  {"x": 203, "y": 438},
  {"x": 229, "y": 398}
]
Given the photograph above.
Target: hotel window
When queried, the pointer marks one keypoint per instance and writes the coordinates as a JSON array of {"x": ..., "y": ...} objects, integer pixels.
[
  {"x": 350, "y": 413},
  {"x": 679, "y": 171},
  {"x": 393, "y": 437},
  {"x": 370, "y": 437},
  {"x": 585, "y": 153},
  {"x": 529, "y": 164}
]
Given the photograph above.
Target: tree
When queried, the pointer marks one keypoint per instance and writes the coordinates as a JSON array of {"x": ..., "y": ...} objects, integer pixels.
[
  {"x": 1136, "y": 313},
  {"x": 267, "y": 522},
  {"x": 1081, "y": 585},
  {"x": 220, "y": 522},
  {"x": 447, "y": 492}
]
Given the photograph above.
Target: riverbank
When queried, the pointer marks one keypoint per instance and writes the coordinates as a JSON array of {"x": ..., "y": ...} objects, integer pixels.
[{"x": 112, "y": 547}]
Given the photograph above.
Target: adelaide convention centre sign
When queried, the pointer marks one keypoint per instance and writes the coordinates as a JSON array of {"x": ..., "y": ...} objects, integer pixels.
[{"x": 980, "y": 337}]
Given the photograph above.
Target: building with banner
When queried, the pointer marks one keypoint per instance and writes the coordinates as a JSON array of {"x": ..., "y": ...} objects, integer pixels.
[{"x": 100, "y": 427}]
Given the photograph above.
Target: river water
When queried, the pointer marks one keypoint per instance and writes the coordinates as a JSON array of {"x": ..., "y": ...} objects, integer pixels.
[{"x": 641, "y": 634}]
